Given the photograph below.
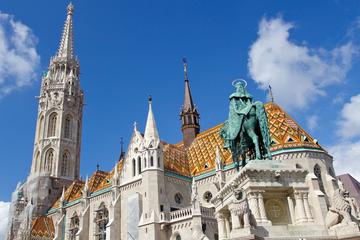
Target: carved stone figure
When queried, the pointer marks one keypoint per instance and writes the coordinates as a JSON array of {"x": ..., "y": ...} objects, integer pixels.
[
  {"x": 340, "y": 210},
  {"x": 240, "y": 211},
  {"x": 246, "y": 130}
]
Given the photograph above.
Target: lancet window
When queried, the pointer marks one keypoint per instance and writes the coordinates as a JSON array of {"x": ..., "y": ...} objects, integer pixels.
[
  {"x": 64, "y": 164},
  {"x": 67, "y": 128},
  {"x": 49, "y": 158},
  {"x": 52, "y": 125},
  {"x": 74, "y": 226},
  {"x": 317, "y": 172},
  {"x": 101, "y": 220}
]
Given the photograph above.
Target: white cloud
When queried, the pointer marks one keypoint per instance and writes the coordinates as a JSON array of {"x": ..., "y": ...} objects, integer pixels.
[
  {"x": 19, "y": 59},
  {"x": 349, "y": 124},
  {"x": 4, "y": 214},
  {"x": 312, "y": 122},
  {"x": 298, "y": 74},
  {"x": 346, "y": 158}
]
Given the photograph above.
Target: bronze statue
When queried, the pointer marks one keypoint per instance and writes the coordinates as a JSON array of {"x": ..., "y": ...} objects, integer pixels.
[{"x": 246, "y": 132}]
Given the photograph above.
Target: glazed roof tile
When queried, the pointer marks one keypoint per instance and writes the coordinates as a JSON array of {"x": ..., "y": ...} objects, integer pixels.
[{"x": 42, "y": 227}]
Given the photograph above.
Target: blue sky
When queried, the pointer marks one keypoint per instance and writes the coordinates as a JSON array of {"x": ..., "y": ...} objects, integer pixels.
[{"x": 307, "y": 50}]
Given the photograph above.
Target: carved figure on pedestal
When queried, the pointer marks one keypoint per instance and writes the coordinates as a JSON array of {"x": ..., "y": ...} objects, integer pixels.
[
  {"x": 240, "y": 211},
  {"x": 340, "y": 210},
  {"x": 246, "y": 130}
]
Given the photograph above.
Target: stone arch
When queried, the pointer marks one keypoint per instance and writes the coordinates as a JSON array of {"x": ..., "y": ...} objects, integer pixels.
[{"x": 53, "y": 118}]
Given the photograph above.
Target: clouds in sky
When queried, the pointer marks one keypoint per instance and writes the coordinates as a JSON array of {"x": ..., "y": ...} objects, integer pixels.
[
  {"x": 19, "y": 59},
  {"x": 349, "y": 124},
  {"x": 346, "y": 157},
  {"x": 297, "y": 73},
  {"x": 4, "y": 214}
]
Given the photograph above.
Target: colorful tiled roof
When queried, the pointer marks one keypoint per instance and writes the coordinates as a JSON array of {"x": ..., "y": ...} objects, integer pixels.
[
  {"x": 200, "y": 156},
  {"x": 42, "y": 227},
  {"x": 73, "y": 192}
]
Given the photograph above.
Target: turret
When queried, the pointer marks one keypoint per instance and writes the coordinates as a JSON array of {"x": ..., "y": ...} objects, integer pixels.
[{"x": 190, "y": 118}]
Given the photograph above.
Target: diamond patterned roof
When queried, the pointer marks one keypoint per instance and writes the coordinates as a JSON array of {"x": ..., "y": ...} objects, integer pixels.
[
  {"x": 200, "y": 156},
  {"x": 42, "y": 227}
]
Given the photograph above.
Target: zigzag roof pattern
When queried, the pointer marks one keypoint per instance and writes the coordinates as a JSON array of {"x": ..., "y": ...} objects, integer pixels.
[{"x": 42, "y": 227}]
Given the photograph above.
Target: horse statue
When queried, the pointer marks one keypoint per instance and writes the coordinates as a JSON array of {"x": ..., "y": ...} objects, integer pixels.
[{"x": 246, "y": 132}]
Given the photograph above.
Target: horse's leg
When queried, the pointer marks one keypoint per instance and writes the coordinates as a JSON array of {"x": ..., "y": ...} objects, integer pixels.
[{"x": 255, "y": 140}]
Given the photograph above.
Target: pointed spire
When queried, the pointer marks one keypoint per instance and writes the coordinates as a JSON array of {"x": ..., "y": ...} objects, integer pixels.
[
  {"x": 271, "y": 95},
  {"x": 62, "y": 198},
  {"x": 218, "y": 160},
  {"x": 188, "y": 102},
  {"x": 86, "y": 186},
  {"x": 151, "y": 133},
  {"x": 66, "y": 48}
]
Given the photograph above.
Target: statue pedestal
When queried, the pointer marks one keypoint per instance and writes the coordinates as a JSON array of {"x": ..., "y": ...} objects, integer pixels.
[{"x": 346, "y": 231}]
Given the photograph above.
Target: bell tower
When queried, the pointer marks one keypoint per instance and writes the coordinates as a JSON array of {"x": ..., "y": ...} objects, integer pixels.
[
  {"x": 58, "y": 129},
  {"x": 190, "y": 118}
]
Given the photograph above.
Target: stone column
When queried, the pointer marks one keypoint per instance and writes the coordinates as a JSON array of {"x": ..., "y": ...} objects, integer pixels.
[
  {"x": 253, "y": 205},
  {"x": 221, "y": 225},
  {"x": 299, "y": 208},
  {"x": 262, "y": 206},
  {"x": 307, "y": 207},
  {"x": 234, "y": 218},
  {"x": 291, "y": 208},
  {"x": 227, "y": 225}
]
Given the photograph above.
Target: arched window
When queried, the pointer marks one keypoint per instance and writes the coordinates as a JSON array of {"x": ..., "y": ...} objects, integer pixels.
[
  {"x": 37, "y": 161},
  {"x": 145, "y": 163},
  {"x": 49, "y": 158},
  {"x": 139, "y": 165},
  {"x": 64, "y": 164},
  {"x": 158, "y": 162},
  {"x": 74, "y": 226},
  {"x": 40, "y": 127},
  {"x": 101, "y": 220},
  {"x": 134, "y": 167},
  {"x": 52, "y": 125},
  {"x": 67, "y": 128},
  {"x": 151, "y": 161},
  {"x": 317, "y": 172}
]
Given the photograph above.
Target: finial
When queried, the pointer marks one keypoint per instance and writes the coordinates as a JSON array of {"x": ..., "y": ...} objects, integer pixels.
[
  {"x": 135, "y": 126},
  {"x": 150, "y": 99},
  {"x": 185, "y": 68},
  {"x": 271, "y": 95},
  {"x": 97, "y": 167},
  {"x": 121, "y": 148},
  {"x": 62, "y": 198},
  {"x": 70, "y": 9}
]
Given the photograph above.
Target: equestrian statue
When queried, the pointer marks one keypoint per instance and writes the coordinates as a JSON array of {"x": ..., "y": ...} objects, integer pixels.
[{"x": 246, "y": 132}]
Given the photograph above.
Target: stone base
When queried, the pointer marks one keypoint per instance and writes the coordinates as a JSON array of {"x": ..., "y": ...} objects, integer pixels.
[
  {"x": 346, "y": 231},
  {"x": 246, "y": 233}
]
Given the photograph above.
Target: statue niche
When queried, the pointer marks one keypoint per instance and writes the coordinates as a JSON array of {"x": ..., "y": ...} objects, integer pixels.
[{"x": 246, "y": 132}]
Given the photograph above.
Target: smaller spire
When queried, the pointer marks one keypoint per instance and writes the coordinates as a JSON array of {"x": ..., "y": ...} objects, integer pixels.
[
  {"x": 218, "y": 160},
  {"x": 151, "y": 133},
  {"x": 271, "y": 95},
  {"x": 62, "y": 198},
  {"x": 86, "y": 186},
  {"x": 122, "y": 153},
  {"x": 188, "y": 101}
]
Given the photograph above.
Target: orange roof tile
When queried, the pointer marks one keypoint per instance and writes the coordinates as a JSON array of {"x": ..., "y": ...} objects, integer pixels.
[
  {"x": 200, "y": 156},
  {"x": 42, "y": 227},
  {"x": 73, "y": 192}
]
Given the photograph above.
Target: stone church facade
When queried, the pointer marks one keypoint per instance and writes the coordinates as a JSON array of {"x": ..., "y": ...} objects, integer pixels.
[{"x": 159, "y": 191}]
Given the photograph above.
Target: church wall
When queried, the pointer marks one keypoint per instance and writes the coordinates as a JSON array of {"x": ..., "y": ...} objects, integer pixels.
[{"x": 175, "y": 185}]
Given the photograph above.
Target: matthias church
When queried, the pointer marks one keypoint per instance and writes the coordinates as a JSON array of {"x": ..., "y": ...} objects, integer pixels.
[{"x": 158, "y": 190}]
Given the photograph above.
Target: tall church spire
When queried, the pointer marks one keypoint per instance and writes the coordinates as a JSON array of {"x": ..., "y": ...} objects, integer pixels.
[
  {"x": 189, "y": 114},
  {"x": 151, "y": 134},
  {"x": 66, "y": 48},
  {"x": 58, "y": 134}
]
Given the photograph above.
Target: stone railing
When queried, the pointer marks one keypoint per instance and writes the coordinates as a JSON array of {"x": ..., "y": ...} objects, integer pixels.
[{"x": 185, "y": 214}]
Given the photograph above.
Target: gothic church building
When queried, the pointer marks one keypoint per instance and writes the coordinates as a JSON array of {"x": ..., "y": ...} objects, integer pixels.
[{"x": 161, "y": 191}]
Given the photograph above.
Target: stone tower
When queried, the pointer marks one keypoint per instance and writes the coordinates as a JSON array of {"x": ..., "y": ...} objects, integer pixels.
[
  {"x": 56, "y": 156},
  {"x": 189, "y": 115},
  {"x": 58, "y": 131}
]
